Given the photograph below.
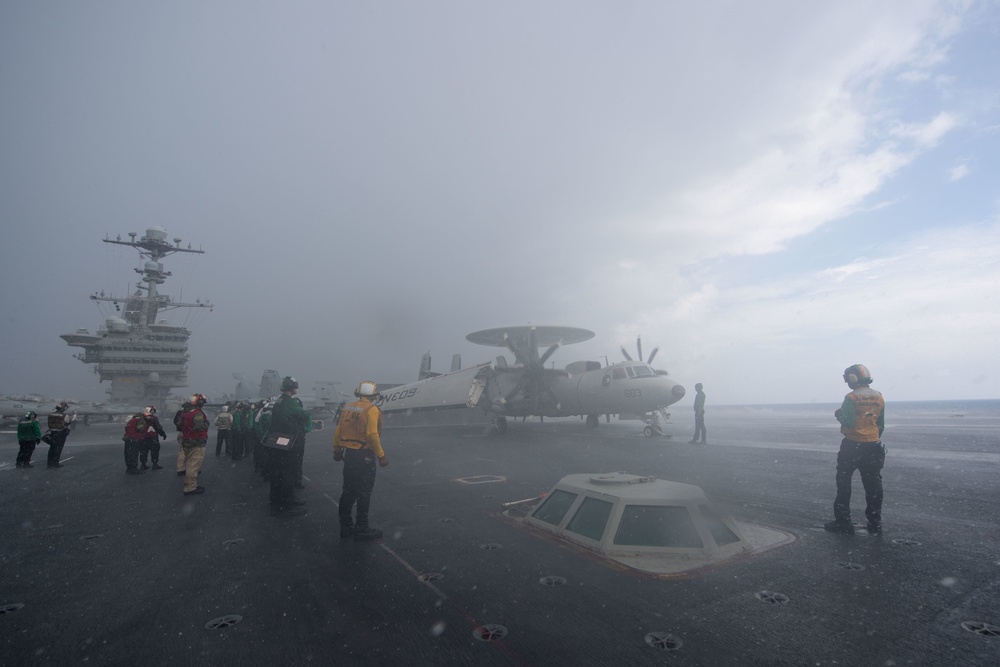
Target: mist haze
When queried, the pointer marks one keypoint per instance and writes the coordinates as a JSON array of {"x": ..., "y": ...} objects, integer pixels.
[{"x": 767, "y": 193}]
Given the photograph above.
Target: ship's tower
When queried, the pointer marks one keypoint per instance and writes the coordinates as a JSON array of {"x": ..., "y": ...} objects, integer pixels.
[{"x": 142, "y": 357}]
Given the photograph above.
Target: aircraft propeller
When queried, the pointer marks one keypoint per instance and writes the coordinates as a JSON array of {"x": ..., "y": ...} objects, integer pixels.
[
  {"x": 533, "y": 367},
  {"x": 638, "y": 346}
]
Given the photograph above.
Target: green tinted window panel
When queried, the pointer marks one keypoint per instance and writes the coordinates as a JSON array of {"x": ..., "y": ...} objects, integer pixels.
[
  {"x": 657, "y": 526},
  {"x": 591, "y": 518},
  {"x": 555, "y": 507},
  {"x": 721, "y": 533}
]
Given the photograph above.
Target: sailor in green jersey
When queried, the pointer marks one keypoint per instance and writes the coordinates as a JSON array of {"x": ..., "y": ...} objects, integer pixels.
[
  {"x": 29, "y": 434},
  {"x": 288, "y": 416}
]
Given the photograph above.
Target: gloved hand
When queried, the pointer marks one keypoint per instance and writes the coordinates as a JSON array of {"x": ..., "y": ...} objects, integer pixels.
[
  {"x": 163, "y": 437},
  {"x": 338, "y": 455},
  {"x": 384, "y": 461}
]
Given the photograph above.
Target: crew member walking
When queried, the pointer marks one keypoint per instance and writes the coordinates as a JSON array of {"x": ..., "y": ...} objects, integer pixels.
[
  {"x": 862, "y": 421},
  {"x": 357, "y": 442},
  {"x": 223, "y": 425},
  {"x": 135, "y": 434}
]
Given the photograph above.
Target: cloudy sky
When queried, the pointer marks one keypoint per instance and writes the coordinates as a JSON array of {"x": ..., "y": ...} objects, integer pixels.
[{"x": 767, "y": 191}]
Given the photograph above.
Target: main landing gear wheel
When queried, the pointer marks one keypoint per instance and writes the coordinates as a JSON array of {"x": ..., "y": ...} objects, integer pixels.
[
  {"x": 500, "y": 425},
  {"x": 649, "y": 432},
  {"x": 592, "y": 421}
]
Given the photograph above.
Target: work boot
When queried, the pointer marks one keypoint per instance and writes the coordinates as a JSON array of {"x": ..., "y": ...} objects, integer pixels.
[
  {"x": 144, "y": 467},
  {"x": 197, "y": 492},
  {"x": 55, "y": 465},
  {"x": 874, "y": 528},
  {"x": 346, "y": 531},
  {"x": 181, "y": 473},
  {"x": 366, "y": 533},
  {"x": 157, "y": 466},
  {"x": 842, "y": 527}
]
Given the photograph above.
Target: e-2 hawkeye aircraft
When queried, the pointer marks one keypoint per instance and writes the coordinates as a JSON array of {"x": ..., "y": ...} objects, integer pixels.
[{"x": 527, "y": 388}]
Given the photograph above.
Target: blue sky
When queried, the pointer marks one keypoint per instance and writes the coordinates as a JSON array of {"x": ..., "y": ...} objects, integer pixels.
[{"x": 769, "y": 193}]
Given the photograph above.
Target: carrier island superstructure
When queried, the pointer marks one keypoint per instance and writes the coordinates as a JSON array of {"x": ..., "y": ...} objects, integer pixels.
[{"x": 144, "y": 358}]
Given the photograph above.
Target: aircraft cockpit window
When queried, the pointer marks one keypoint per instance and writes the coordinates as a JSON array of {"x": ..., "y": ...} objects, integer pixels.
[
  {"x": 643, "y": 371},
  {"x": 591, "y": 518},
  {"x": 619, "y": 374},
  {"x": 658, "y": 526},
  {"x": 630, "y": 371},
  {"x": 555, "y": 507}
]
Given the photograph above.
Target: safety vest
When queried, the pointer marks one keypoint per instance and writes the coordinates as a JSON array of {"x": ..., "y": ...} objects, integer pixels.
[
  {"x": 868, "y": 407},
  {"x": 57, "y": 421},
  {"x": 135, "y": 428},
  {"x": 194, "y": 427},
  {"x": 354, "y": 424}
]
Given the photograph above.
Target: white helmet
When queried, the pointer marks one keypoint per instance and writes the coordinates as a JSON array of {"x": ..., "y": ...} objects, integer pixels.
[{"x": 367, "y": 389}]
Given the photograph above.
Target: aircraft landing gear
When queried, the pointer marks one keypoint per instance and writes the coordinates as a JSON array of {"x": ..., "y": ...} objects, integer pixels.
[
  {"x": 592, "y": 421},
  {"x": 500, "y": 425},
  {"x": 649, "y": 432}
]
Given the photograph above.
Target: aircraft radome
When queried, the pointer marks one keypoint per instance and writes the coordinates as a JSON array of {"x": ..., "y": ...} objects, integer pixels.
[{"x": 527, "y": 388}]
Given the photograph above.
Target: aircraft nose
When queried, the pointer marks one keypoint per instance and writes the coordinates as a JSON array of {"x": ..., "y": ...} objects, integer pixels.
[{"x": 678, "y": 392}]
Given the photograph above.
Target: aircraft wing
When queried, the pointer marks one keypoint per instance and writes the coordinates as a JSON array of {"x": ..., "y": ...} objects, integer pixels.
[{"x": 450, "y": 391}]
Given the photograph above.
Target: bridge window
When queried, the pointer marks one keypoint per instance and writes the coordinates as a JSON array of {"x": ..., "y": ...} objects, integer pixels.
[
  {"x": 591, "y": 518},
  {"x": 555, "y": 507}
]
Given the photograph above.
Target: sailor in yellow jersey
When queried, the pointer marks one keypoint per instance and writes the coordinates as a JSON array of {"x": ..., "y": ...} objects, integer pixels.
[
  {"x": 862, "y": 421},
  {"x": 357, "y": 442}
]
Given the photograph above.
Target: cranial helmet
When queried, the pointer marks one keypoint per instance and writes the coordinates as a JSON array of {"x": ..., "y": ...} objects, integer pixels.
[
  {"x": 225, "y": 408},
  {"x": 31, "y": 415},
  {"x": 288, "y": 383},
  {"x": 149, "y": 411},
  {"x": 62, "y": 406},
  {"x": 367, "y": 389},
  {"x": 198, "y": 400},
  {"x": 857, "y": 375}
]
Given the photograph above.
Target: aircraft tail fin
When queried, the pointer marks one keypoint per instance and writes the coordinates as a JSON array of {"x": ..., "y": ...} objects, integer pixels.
[
  {"x": 501, "y": 361},
  {"x": 456, "y": 362},
  {"x": 425, "y": 367}
]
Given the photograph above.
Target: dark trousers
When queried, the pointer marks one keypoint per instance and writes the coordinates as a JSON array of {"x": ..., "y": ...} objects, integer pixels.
[
  {"x": 359, "y": 480},
  {"x": 150, "y": 447},
  {"x": 868, "y": 458},
  {"x": 237, "y": 447},
  {"x": 26, "y": 450},
  {"x": 299, "y": 454},
  {"x": 281, "y": 473},
  {"x": 222, "y": 436},
  {"x": 699, "y": 427},
  {"x": 132, "y": 454},
  {"x": 58, "y": 442}
]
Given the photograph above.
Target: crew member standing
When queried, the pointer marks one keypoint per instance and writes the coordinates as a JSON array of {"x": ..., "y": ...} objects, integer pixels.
[
  {"x": 29, "y": 434},
  {"x": 288, "y": 417},
  {"x": 135, "y": 435},
  {"x": 194, "y": 435},
  {"x": 58, "y": 430},
  {"x": 862, "y": 421},
  {"x": 179, "y": 425},
  {"x": 151, "y": 439},
  {"x": 223, "y": 425},
  {"x": 357, "y": 442},
  {"x": 699, "y": 417}
]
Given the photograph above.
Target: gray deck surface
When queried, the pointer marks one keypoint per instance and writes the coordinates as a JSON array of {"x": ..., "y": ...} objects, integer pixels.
[{"x": 123, "y": 570}]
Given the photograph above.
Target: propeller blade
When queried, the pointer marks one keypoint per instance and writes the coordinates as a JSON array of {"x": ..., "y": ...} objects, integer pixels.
[
  {"x": 510, "y": 346},
  {"x": 651, "y": 355},
  {"x": 625, "y": 354},
  {"x": 533, "y": 337},
  {"x": 548, "y": 353},
  {"x": 638, "y": 346}
]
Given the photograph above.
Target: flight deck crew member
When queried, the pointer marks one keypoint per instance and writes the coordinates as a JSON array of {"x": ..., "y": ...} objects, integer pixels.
[
  {"x": 150, "y": 445},
  {"x": 29, "y": 434},
  {"x": 288, "y": 417},
  {"x": 223, "y": 425},
  {"x": 862, "y": 421},
  {"x": 179, "y": 425},
  {"x": 135, "y": 434},
  {"x": 699, "y": 417},
  {"x": 194, "y": 435},
  {"x": 357, "y": 442},
  {"x": 58, "y": 430}
]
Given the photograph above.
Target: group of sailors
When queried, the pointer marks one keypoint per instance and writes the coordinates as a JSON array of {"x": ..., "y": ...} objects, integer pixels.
[{"x": 240, "y": 429}]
